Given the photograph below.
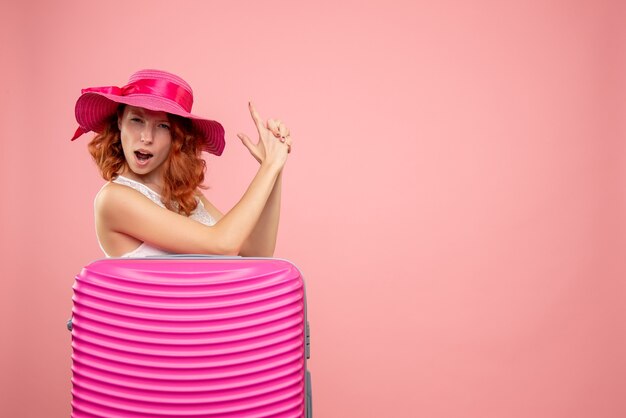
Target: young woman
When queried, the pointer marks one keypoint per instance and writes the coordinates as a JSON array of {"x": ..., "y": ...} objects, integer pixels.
[{"x": 148, "y": 147}]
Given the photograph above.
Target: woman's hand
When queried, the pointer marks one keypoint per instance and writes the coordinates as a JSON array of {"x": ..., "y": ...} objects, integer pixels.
[{"x": 274, "y": 140}]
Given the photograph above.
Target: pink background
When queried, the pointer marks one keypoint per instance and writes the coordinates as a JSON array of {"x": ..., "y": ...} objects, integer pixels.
[{"x": 455, "y": 198}]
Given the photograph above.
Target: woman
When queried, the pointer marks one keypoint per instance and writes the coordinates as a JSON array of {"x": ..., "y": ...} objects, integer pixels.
[{"x": 148, "y": 147}]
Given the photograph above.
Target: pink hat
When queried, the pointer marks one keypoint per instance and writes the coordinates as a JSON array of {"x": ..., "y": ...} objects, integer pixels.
[{"x": 150, "y": 89}]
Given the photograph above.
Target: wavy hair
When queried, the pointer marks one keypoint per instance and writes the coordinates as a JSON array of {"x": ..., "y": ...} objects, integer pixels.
[{"x": 184, "y": 170}]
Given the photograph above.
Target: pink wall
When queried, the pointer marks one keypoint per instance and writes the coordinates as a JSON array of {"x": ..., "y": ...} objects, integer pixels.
[{"x": 455, "y": 196}]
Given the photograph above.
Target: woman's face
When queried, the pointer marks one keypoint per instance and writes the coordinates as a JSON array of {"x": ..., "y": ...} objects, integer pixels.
[{"x": 146, "y": 139}]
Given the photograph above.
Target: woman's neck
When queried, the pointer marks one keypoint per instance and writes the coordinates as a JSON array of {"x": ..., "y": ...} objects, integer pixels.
[{"x": 150, "y": 179}]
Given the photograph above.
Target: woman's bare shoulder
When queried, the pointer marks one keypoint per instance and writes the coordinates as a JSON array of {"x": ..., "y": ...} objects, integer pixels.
[
  {"x": 113, "y": 196},
  {"x": 112, "y": 192}
]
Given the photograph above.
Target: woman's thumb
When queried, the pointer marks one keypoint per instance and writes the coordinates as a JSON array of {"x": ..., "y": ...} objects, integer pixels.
[{"x": 246, "y": 141}]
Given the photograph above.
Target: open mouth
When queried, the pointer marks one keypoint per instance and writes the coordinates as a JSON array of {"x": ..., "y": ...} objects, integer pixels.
[{"x": 141, "y": 156}]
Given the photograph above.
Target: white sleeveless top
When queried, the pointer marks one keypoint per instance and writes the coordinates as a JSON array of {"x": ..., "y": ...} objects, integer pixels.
[{"x": 200, "y": 214}]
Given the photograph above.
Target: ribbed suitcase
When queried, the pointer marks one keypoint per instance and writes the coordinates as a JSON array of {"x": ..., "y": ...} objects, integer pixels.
[{"x": 190, "y": 336}]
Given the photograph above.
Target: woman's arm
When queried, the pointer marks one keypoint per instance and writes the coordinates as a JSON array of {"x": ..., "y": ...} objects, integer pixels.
[
  {"x": 262, "y": 240},
  {"x": 125, "y": 210}
]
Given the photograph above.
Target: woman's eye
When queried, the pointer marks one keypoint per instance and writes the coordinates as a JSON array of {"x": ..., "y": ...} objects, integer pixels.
[
  {"x": 135, "y": 119},
  {"x": 164, "y": 126}
]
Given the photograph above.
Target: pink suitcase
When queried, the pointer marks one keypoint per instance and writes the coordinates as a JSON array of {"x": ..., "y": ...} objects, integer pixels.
[{"x": 190, "y": 336}]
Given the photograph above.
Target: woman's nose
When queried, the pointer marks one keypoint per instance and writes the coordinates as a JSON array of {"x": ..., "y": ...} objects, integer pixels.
[{"x": 146, "y": 135}]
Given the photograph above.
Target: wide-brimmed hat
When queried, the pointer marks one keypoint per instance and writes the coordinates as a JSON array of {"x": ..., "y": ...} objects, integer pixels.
[{"x": 150, "y": 89}]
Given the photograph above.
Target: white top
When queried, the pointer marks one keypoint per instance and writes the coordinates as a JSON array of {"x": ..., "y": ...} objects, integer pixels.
[{"x": 199, "y": 214}]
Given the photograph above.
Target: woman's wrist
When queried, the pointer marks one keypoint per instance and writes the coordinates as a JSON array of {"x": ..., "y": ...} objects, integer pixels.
[{"x": 273, "y": 167}]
